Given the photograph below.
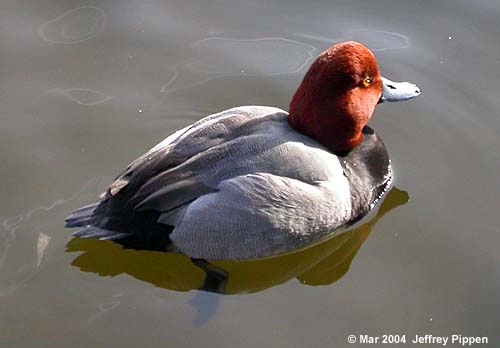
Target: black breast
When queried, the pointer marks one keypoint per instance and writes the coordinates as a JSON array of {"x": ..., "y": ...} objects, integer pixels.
[{"x": 368, "y": 169}]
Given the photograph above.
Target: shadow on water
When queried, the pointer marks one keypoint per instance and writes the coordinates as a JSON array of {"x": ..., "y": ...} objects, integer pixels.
[{"x": 321, "y": 264}]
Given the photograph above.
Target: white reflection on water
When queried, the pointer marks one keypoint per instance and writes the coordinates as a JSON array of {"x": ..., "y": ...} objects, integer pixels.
[
  {"x": 41, "y": 247},
  {"x": 74, "y": 26},
  {"x": 83, "y": 96},
  {"x": 376, "y": 40},
  {"x": 223, "y": 57}
]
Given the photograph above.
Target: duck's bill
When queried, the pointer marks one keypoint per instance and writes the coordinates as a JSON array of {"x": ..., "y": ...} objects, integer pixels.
[{"x": 398, "y": 91}]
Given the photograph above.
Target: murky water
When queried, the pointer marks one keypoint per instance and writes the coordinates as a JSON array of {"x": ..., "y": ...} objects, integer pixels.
[{"x": 85, "y": 87}]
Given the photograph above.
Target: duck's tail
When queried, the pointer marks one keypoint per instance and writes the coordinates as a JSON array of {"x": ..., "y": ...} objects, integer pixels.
[
  {"x": 83, "y": 217},
  {"x": 99, "y": 233}
]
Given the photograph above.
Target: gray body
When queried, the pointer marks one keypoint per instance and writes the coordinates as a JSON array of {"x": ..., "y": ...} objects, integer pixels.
[{"x": 241, "y": 184}]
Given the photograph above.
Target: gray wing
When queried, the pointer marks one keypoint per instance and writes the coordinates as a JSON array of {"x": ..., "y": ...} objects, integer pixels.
[
  {"x": 286, "y": 214},
  {"x": 191, "y": 147}
]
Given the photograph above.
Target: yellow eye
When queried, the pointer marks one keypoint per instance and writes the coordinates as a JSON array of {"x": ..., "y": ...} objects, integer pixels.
[{"x": 367, "y": 82}]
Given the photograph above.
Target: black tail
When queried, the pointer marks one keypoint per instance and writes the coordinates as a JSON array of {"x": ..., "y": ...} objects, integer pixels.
[
  {"x": 99, "y": 233},
  {"x": 83, "y": 217}
]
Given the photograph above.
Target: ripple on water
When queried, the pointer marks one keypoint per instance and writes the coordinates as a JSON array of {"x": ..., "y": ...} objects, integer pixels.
[
  {"x": 379, "y": 40},
  {"x": 25, "y": 240},
  {"x": 82, "y": 96},
  {"x": 222, "y": 57},
  {"x": 376, "y": 40},
  {"x": 104, "y": 307},
  {"x": 74, "y": 26}
]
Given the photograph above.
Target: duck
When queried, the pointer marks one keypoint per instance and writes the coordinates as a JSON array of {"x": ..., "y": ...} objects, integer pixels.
[{"x": 256, "y": 181}]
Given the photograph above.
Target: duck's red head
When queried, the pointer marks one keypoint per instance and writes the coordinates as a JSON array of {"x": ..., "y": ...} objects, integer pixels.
[{"x": 338, "y": 96}]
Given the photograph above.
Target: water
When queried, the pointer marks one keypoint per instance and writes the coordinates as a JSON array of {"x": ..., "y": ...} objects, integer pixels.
[{"x": 85, "y": 87}]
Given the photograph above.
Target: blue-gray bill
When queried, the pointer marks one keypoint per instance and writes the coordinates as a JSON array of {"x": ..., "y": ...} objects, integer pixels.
[{"x": 398, "y": 91}]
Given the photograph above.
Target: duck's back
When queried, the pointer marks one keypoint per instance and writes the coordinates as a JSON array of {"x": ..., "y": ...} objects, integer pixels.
[{"x": 237, "y": 185}]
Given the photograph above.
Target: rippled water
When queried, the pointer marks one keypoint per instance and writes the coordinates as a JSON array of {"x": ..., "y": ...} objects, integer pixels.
[{"x": 85, "y": 87}]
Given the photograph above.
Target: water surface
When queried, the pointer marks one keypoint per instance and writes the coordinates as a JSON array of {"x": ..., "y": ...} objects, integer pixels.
[{"x": 86, "y": 87}]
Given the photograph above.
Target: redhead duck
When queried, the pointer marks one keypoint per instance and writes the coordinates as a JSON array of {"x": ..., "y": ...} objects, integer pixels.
[{"x": 255, "y": 181}]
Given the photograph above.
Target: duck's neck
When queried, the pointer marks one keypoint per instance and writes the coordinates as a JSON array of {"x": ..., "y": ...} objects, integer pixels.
[{"x": 326, "y": 117}]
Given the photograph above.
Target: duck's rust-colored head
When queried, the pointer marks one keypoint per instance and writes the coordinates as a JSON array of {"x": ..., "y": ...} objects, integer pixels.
[{"x": 339, "y": 93}]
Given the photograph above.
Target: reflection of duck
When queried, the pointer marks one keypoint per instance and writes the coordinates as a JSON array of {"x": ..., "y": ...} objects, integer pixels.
[
  {"x": 252, "y": 182},
  {"x": 320, "y": 264}
]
